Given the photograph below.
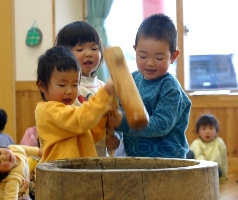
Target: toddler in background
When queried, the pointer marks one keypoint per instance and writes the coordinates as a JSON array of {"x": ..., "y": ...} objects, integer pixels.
[
  {"x": 14, "y": 171},
  {"x": 66, "y": 130},
  {"x": 86, "y": 45},
  {"x": 5, "y": 139},
  {"x": 208, "y": 146},
  {"x": 30, "y": 138}
]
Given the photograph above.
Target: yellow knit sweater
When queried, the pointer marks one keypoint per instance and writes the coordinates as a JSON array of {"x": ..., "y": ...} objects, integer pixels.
[
  {"x": 68, "y": 131},
  {"x": 16, "y": 184},
  {"x": 212, "y": 151}
]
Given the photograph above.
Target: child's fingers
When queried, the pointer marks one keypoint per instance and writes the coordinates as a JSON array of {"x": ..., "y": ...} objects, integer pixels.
[{"x": 112, "y": 142}]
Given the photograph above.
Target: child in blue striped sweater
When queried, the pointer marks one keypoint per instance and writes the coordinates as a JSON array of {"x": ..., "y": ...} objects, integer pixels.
[{"x": 166, "y": 103}]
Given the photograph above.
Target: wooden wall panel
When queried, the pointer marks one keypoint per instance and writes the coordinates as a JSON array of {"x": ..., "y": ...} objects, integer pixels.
[
  {"x": 225, "y": 108},
  {"x": 7, "y": 68},
  {"x": 27, "y": 96}
]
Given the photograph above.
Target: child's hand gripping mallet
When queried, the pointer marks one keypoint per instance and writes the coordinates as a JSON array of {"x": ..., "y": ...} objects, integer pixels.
[
  {"x": 114, "y": 105},
  {"x": 111, "y": 138},
  {"x": 132, "y": 104}
]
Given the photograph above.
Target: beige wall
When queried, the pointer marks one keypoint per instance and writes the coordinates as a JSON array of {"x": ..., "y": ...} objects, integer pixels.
[
  {"x": 25, "y": 13},
  {"x": 7, "y": 69},
  {"x": 50, "y": 15},
  {"x": 18, "y": 62},
  {"x": 67, "y": 11}
]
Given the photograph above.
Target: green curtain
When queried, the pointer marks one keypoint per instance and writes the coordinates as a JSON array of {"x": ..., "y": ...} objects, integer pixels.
[{"x": 98, "y": 11}]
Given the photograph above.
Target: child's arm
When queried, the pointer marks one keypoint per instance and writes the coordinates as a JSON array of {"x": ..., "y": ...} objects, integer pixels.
[
  {"x": 99, "y": 131},
  {"x": 75, "y": 120},
  {"x": 32, "y": 151},
  {"x": 223, "y": 152},
  {"x": 115, "y": 118},
  {"x": 195, "y": 147},
  {"x": 11, "y": 189}
]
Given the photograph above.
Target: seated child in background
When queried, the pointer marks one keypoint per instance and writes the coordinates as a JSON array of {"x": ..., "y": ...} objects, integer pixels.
[
  {"x": 66, "y": 130},
  {"x": 209, "y": 146},
  {"x": 33, "y": 162},
  {"x": 86, "y": 45},
  {"x": 14, "y": 171},
  {"x": 5, "y": 139},
  {"x": 30, "y": 137},
  {"x": 167, "y": 104}
]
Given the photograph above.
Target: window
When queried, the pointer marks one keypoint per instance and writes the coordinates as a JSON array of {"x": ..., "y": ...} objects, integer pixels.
[
  {"x": 210, "y": 50},
  {"x": 211, "y": 44},
  {"x": 122, "y": 24}
]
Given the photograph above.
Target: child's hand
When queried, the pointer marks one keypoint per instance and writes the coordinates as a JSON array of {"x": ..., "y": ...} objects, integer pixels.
[
  {"x": 112, "y": 142},
  {"x": 109, "y": 87},
  {"x": 115, "y": 118}
]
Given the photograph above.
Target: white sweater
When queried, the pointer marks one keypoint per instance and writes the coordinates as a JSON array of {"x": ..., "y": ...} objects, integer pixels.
[{"x": 90, "y": 86}]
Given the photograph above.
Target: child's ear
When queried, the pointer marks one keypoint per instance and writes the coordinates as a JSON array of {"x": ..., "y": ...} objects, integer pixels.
[
  {"x": 174, "y": 56},
  {"x": 40, "y": 86},
  {"x": 134, "y": 47}
]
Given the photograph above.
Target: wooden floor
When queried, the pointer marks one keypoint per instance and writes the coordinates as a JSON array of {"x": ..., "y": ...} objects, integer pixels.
[{"x": 229, "y": 187}]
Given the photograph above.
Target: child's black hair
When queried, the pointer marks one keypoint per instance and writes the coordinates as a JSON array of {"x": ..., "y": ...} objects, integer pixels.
[
  {"x": 3, "y": 175},
  {"x": 77, "y": 33},
  {"x": 3, "y": 119},
  {"x": 60, "y": 58},
  {"x": 207, "y": 119},
  {"x": 159, "y": 27}
]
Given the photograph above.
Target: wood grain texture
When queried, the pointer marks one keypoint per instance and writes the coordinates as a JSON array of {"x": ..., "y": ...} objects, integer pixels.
[
  {"x": 228, "y": 188},
  {"x": 128, "y": 94},
  {"x": 225, "y": 108},
  {"x": 127, "y": 178},
  {"x": 7, "y": 66},
  {"x": 27, "y": 96}
]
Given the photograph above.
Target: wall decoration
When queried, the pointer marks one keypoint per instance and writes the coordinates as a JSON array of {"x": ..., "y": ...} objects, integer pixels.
[{"x": 34, "y": 35}]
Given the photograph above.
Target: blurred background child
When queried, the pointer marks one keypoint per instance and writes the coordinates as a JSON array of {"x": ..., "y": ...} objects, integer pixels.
[
  {"x": 208, "y": 146},
  {"x": 14, "y": 171},
  {"x": 5, "y": 139}
]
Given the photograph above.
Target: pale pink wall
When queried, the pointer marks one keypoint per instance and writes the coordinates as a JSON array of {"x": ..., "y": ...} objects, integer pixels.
[{"x": 152, "y": 7}]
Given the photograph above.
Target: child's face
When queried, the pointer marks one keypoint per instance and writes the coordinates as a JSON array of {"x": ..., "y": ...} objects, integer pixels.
[
  {"x": 63, "y": 87},
  {"x": 207, "y": 133},
  {"x": 88, "y": 56},
  {"x": 153, "y": 57},
  {"x": 7, "y": 160}
]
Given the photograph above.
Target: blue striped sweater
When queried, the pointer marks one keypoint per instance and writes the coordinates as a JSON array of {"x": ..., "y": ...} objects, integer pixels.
[{"x": 168, "y": 107}]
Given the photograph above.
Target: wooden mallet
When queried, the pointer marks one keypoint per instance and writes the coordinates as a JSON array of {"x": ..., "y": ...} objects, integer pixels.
[{"x": 132, "y": 104}]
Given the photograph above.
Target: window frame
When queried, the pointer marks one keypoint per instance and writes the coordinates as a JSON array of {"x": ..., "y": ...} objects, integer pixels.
[{"x": 180, "y": 70}]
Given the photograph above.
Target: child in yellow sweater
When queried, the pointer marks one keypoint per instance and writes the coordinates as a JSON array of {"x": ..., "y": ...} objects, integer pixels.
[
  {"x": 14, "y": 171},
  {"x": 65, "y": 130}
]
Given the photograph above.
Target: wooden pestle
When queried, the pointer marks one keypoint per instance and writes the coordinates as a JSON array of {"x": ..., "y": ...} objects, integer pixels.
[{"x": 132, "y": 104}]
